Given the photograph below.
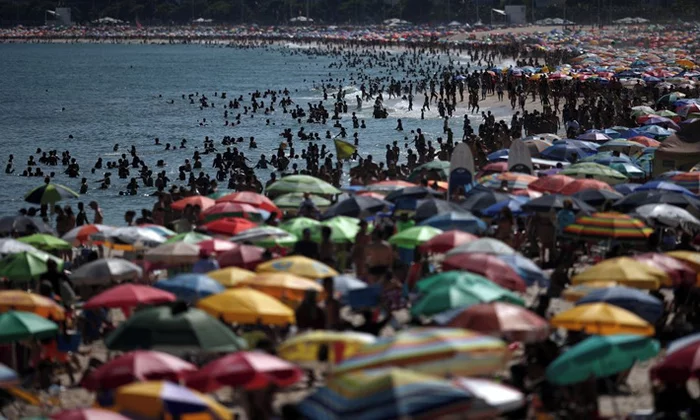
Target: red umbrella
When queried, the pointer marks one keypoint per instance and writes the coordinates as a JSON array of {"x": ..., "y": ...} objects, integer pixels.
[
  {"x": 446, "y": 241},
  {"x": 512, "y": 322},
  {"x": 129, "y": 295},
  {"x": 229, "y": 226},
  {"x": 489, "y": 266},
  {"x": 253, "y": 199},
  {"x": 551, "y": 183},
  {"x": 584, "y": 184},
  {"x": 243, "y": 256},
  {"x": 195, "y": 200},
  {"x": 215, "y": 245},
  {"x": 679, "y": 366},
  {"x": 250, "y": 370},
  {"x": 88, "y": 414},
  {"x": 492, "y": 168},
  {"x": 227, "y": 209},
  {"x": 135, "y": 366},
  {"x": 681, "y": 274}
]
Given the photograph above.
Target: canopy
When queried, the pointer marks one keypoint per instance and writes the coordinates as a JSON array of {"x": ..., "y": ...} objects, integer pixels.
[{"x": 679, "y": 151}]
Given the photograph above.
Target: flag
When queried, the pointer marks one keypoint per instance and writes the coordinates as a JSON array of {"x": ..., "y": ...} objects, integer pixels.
[{"x": 343, "y": 149}]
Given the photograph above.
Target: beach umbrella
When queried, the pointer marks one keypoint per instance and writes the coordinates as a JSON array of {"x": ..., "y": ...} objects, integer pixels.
[
  {"x": 437, "y": 351},
  {"x": 215, "y": 246},
  {"x": 660, "y": 185},
  {"x": 391, "y": 394},
  {"x": 594, "y": 171},
  {"x": 428, "y": 208},
  {"x": 158, "y": 400},
  {"x": 512, "y": 322},
  {"x": 621, "y": 145},
  {"x": 173, "y": 329},
  {"x": 412, "y": 193},
  {"x": 574, "y": 293},
  {"x": 161, "y": 230},
  {"x": 137, "y": 366},
  {"x": 294, "y": 200},
  {"x": 597, "y": 197},
  {"x": 129, "y": 295},
  {"x": 251, "y": 198},
  {"x": 514, "y": 180},
  {"x": 624, "y": 271},
  {"x": 600, "y": 357},
  {"x": 345, "y": 283},
  {"x": 563, "y": 152},
  {"x": 554, "y": 202},
  {"x": 601, "y": 319},
  {"x": 645, "y": 141},
  {"x": 247, "y": 306},
  {"x": 501, "y": 397},
  {"x": 688, "y": 257},
  {"x": 550, "y": 183},
  {"x": 227, "y": 209},
  {"x": 435, "y": 168},
  {"x": 483, "y": 245},
  {"x": 639, "y": 303},
  {"x": 49, "y": 194},
  {"x": 26, "y": 266},
  {"x": 526, "y": 269},
  {"x": 356, "y": 206},
  {"x": 243, "y": 256},
  {"x": 188, "y": 238},
  {"x": 489, "y": 266},
  {"x": 445, "y": 241},
  {"x": 297, "y": 265},
  {"x": 8, "y": 377},
  {"x": 681, "y": 273},
  {"x": 286, "y": 241},
  {"x": 261, "y": 233},
  {"x": 246, "y": 370},
  {"x": 479, "y": 198},
  {"x": 305, "y": 347},
  {"x": 230, "y": 276},
  {"x": 642, "y": 110},
  {"x": 82, "y": 234},
  {"x": 297, "y": 225},
  {"x": 608, "y": 225},
  {"x": 88, "y": 414},
  {"x": 659, "y": 121},
  {"x": 23, "y": 225},
  {"x": 344, "y": 229},
  {"x": 461, "y": 220},
  {"x": 579, "y": 185},
  {"x": 680, "y": 363},
  {"x": 45, "y": 242},
  {"x": 13, "y": 246},
  {"x": 492, "y": 168},
  {"x": 190, "y": 287},
  {"x": 594, "y": 136},
  {"x": 19, "y": 326},
  {"x": 130, "y": 235},
  {"x": 19, "y": 300},
  {"x": 640, "y": 198},
  {"x": 667, "y": 215},
  {"x": 669, "y": 174},
  {"x": 228, "y": 226},
  {"x": 302, "y": 184},
  {"x": 688, "y": 180},
  {"x": 388, "y": 186},
  {"x": 105, "y": 271},
  {"x": 413, "y": 237},
  {"x": 514, "y": 204},
  {"x": 284, "y": 286},
  {"x": 196, "y": 200},
  {"x": 173, "y": 253}
]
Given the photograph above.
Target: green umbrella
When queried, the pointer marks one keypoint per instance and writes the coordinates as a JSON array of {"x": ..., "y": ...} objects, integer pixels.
[
  {"x": 173, "y": 328},
  {"x": 415, "y": 236},
  {"x": 219, "y": 194},
  {"x": 302, "y": 184},
  {"x": 638, "y": 111},
  {"x": 49, "y": 194},
  {"x": 297, "y": 225},
  {"x": 344, "y": 229},
  {"x": 17, "y": 326},
  {"x": 44, "y": 241},
  {"x": 286, "y": 241},
  {"x": 438, "y": 167},
  {"x": 600, "y": 356},
  {"x": 294, "y": 200},
  {"x": 595, "y": 171},
  {"x": 26, "y": 266},
  {"x": 188, "y": 238}
]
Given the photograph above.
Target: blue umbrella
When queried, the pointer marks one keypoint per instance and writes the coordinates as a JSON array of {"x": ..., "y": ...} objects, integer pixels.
[
  {"x": 498, "y": 154},
  {"x": 464, "y": 221},
  {"x": 527, "y": 269},
  {"x": 668, "y": 175},
  {"x": 631, "y": 133},
  {"x": 627, "y": 188},
  {"x": 345, "y": 283},
  {"x": 655, "y": 131},
  {"x": 563, "y": 152},
  {"x": 606, "y": 158},
  {"x": 588, "y": 146},
  {"x": 663, "y": 186},
  {"x": 190, "y": 287},
  {"x": 514, "y": 204},
  {"x": 8, "y": 376},
  {"x": 646, "y": 306}
]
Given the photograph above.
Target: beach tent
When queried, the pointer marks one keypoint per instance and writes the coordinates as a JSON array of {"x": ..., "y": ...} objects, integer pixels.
[{"x": 680, "y": 151}]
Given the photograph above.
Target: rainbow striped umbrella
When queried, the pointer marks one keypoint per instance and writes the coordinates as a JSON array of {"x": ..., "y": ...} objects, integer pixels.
[
  {"x": 688, "y": 180},
  {"x": 380, "y": 394},
  {"x": 516, "y": 181},
  {"x": 610, "y": 225},
  {"x": 437, "y": 351}
]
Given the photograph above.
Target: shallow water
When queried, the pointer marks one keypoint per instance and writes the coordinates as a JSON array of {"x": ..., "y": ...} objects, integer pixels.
[{"x": 121, "y": 94}]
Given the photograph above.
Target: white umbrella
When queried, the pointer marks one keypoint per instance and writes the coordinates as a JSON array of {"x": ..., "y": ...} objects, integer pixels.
[
  {"x": 174, "y": 253},
  {"x": 131, "y": 235},
  {"x": 105, "y": 271},
  {"x": 72, "y": 235},
  {"x": 260, "y": 233},
  {"x": 502, "y": 398},
  {"x": 668, "y": 215},
  {"x": 13, "y": 246},
  {"x": 483, "y": 245}
]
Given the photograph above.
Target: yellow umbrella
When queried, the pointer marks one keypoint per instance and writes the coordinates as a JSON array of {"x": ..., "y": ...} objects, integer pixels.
[
  {"x": 625, "y": 271},
  {"x": 602, "y": 319},
  {"x": 301, "y": 266},
  {"x": 231, "y": 276},
  {"x": 160, "y": 399},
  {"x": 283, "y": 286},
  {"x": 689, "y": 257},
  {"x": 574, "y": 293},
  {"x": 341, "y": 345},
  {"x": 19, "y": 300},
  {"x": 247, "y": 306}
]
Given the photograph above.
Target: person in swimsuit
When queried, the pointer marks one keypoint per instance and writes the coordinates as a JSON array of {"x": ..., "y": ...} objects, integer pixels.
[{"x": 380, "y": 258}]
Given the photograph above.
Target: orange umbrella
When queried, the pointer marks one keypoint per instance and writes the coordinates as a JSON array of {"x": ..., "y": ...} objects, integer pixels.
[
  {"x": 584, "y": 184},
  {"x": 195, "y": 200},
  {"x": 646, "y": 141},
  {"x": 229, "y": 226},
  {"x": 551, "y": 183}
]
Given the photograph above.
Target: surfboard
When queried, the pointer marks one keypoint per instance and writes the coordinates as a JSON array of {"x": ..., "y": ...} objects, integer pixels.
[
  {"x": 461, "y": 169},
  {"x": 519, "y": 159}
]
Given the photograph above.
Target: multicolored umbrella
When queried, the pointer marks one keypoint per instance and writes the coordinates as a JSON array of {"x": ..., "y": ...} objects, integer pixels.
[
  {"x": 601, "y": 319},
  {"x": 284, "y": 286},
  {"x": 247, "y": 306},
  {"x": 624, "y": 271},
  {"x": 305, "y": 347},
  {"x": 438, "y": 351},
  {"x": 286, "y": 241},
  {"x": 215, "y": 246},
  {"x": 228, "y": 209},
  {"x": 19, "y": 300},
  {"x": 688, "y": 257},
  {"x": 555, "y": 202},
  {"x": 137, "y": 366},
  {"x": 483, "y": 245},
  {"x": 129, "y": 295},
  {"x": 639, "y": 303},
  {"x": 575, "y": 292},
  {"x": 578, "y": 185},
  {"x": 514, "y": 180},
  {"x": 688, "y": 180},
  {"x": 196, "y": 200},
  {"x": 17, "y": 326},
  {"x": 298, "y": 265},
  {"x": 230, "y": 276},
  {"x": 512, "y": 322},
  {"x": 302, "y": 184},
  {"x": 681, "y": 273},
  {"x": 188, "y": 238},
  {"x": 550, "y": 183},
  {"x": 489, "y": 266},
  {"x": 599, "y": 357},
  {"x": 293, "y": 201},
  {"x": 526, "y": 269},
  {"x": 413, "y": 237},
  {"x": 190, "y": 287},
  {"x": 446, "y": 241},
  {"x": 82, "y": 234},
  {"x": 389, "y": 186},
  {"x": 49, "y": 194},
  {"x": 251, "y": 198},
  {"x": 609, "y": 225},
  {"x": 595, "y": 171}
]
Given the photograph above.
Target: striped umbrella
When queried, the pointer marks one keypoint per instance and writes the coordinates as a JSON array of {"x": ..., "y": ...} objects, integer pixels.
[
  {"x": 515, "y": 181},
  {"x": 610, "y": 225},
  {"x": 392, "y": 394},
  {"x": 439, "y": 351},
  {"x": 688, "y": 180},
  {"x": 49, "y": 194}
]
